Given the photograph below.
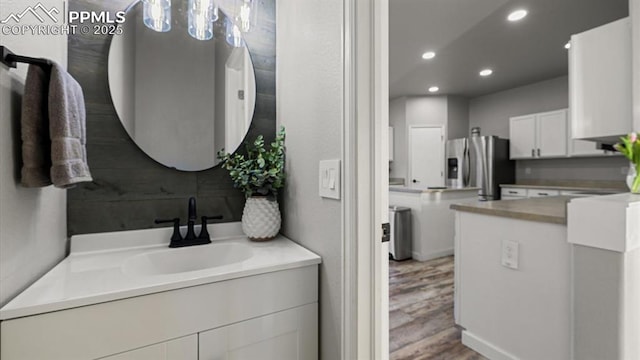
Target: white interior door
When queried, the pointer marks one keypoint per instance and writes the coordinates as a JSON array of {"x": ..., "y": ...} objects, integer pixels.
[{"x": 426, "y": 154}]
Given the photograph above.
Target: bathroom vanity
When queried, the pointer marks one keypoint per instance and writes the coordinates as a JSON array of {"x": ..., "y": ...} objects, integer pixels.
[{"x": 125, "y": 295}]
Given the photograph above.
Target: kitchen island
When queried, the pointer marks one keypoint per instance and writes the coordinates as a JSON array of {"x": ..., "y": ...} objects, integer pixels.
[
  {"x": 433, "y": 221},
  {"x": 513, "y": 278}
]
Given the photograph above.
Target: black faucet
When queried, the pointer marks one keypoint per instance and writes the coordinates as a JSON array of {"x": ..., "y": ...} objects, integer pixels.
[
  {"x": 190, "y": 239},
  {"x": 191, "y": 234}
]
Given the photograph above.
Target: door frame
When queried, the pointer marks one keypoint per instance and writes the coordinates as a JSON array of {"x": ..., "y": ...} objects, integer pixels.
[
  {"x": 409, "y": 144},
  {"x": 365, "y": 124}
]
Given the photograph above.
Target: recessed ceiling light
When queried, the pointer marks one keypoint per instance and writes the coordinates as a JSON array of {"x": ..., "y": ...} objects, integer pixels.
[
  {"x": 567, "y": 45},
  {"x": 517, "y": 15},
  {"x": 434, "y": 89},
  {"x": 428, "y": 55},
  {"x": 486, "y": 72}
]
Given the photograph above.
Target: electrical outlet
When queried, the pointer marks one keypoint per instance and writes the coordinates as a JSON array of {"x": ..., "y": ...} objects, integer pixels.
[
  {"x": 527, "y": 170},
  {"x": 624, "y": 170},
  {"x": 510, "y": 254}
]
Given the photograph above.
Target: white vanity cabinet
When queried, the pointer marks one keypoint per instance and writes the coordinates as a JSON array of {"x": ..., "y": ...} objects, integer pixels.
[
  {"x": 290, "y": 334},
  {"x": 542, "y": 135},
  {"x": 93, "y": 306},
  {"x": 600, "y": 82},
  {"x": 185, "y": 348}
]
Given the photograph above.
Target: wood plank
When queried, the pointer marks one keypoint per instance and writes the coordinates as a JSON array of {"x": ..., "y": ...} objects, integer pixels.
[{"x": 421, "y": 312}]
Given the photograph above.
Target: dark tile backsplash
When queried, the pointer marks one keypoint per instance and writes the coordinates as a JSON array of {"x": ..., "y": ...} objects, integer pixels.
[{"x": 130, "y": 189}]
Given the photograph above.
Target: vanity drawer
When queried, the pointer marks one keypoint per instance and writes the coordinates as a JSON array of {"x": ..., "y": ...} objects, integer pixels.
[
  {"x": 533, "y": 193},
  {"x": 514, "y": 192}
]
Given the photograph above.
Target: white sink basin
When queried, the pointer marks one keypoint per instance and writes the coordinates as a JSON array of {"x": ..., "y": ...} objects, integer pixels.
[{"x": 193, "y": 258}]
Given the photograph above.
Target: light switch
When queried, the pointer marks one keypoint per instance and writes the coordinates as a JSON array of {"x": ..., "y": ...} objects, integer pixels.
[
  {"x": 510, "y": 250},
  {"x": 330, "y": 179}
]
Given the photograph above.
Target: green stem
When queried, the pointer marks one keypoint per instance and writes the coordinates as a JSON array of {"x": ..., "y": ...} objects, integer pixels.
[{"x": 635, "y": 187}]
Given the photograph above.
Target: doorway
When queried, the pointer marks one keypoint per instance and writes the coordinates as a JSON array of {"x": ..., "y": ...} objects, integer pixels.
[{"x": 426, "y": 156}]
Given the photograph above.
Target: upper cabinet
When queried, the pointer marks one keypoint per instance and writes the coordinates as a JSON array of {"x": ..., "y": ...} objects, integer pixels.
[
  {"x": 600, "y": 82},
  {"x": 542, "y": 135}
]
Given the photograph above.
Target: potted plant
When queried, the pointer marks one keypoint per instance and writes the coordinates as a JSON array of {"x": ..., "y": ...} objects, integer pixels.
[
  {"x": 630, "y": 147},
  {"x": 259, "y": 173}
]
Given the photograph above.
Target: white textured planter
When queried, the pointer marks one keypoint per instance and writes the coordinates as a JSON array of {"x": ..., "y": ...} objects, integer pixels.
[{"x": 261, "y": 218}]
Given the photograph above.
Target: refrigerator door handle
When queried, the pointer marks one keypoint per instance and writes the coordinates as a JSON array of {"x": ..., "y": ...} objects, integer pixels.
[{"x": 467, "y": 169}]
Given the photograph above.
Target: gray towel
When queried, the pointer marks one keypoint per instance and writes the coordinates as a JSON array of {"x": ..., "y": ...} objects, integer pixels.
[
  {"x": 36, "y": 146},
  {"x": 67, "y": 128}
]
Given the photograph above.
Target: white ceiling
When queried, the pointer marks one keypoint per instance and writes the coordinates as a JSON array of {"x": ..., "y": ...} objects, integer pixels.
[{"x": 470, "y": 35}]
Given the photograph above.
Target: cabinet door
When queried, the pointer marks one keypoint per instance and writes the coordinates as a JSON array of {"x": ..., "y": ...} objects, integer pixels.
[
  {"x": 600, "y": 81},
  {"x": 535, "y": 193},
  {"x": 185, "y": 348},
  {"x": 585, "y": 148},
  {"x": 522, "y": 133},
  {"x": 287, "y": 335},
  {"x": 552, "y": 134}
]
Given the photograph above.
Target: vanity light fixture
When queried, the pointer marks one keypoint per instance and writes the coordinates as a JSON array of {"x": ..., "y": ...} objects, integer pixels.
[
  {"x": 157, "y": 14},
  {"x": 567, "y": 45},
  {"x": 517, "y": 15},
  {"x": 202, "y": 14},
  {"x": 429, "y": 55},
  {"x": 434, "y": 89},
  {"x": 486, "y": 72}
]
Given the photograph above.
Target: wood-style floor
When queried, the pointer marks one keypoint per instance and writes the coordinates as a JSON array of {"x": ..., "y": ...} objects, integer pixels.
[{"x": 421, "y": 312}]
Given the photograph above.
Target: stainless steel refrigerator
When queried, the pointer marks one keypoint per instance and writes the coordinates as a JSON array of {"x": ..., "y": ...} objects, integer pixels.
[{"x": 479, "y": 161}]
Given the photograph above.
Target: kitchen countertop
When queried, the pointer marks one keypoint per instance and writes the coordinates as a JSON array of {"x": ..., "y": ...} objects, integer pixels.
[
  {"x": 551, "y": 210},
  {"x": 561, "y": 188},
  {"x": 418, "y": 190},
  {"x": 96, "y": 273}
]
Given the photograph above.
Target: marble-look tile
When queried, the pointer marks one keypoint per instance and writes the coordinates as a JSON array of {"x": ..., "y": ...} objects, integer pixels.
[{"x": 421, "y": 312}]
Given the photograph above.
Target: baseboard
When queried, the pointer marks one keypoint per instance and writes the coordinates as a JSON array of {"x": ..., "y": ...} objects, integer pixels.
[
  {"x": 484, "y": 348},
  {"x": 430, "y": 256}
]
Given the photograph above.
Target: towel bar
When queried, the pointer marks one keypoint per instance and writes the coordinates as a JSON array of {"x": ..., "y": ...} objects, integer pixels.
[{"x": 10, "y": 59}]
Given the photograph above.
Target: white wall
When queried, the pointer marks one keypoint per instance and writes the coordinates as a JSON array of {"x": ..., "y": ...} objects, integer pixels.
[
  {"x": 397, "y": 119},
  {"x": 457, "y": 117},
  {"x": 33, "y": 222},
  {"x": 492, "y": 112},
  {"x": 310, "y": 105},
  {"x": 427, "y": 110}
]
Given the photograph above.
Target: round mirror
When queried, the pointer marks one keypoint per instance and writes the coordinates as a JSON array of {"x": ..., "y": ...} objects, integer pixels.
[{"x": 179, "y": 98}]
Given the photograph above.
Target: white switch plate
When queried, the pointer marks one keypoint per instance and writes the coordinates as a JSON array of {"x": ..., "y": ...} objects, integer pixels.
[
  {"x": 329, "y": 180},
  {"x": 510, "y": 250}
]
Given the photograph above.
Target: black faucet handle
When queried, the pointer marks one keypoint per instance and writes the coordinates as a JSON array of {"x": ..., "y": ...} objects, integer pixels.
[
  {"x": 204, "y": 233},
  {"x": 175, "y": 237}
]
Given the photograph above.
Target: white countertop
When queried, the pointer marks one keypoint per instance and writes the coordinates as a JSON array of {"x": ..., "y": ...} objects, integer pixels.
[{"x": 93, "y": 272}]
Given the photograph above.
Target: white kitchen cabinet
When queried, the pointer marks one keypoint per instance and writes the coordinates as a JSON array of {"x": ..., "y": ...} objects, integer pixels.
[
  {"x": 185, "y": 348},
  {"x": 522, "y": 137},
  {"x": 600, "y": 82},
  {"x": 287, "y": 335},
  {"x": 535, "y": 193},
  {"x": 542, "y": 135},
  {"x": 513, "y": 193}
]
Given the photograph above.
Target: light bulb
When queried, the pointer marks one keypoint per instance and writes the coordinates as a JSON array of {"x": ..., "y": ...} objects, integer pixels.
[
  {"x": 233, "y": 35},
  {"x": 245, "y": 16},
  {"x": 202, "y": 15},
  {"x": 157, "y": 15},
  {"x": 434, "y": 89}
]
